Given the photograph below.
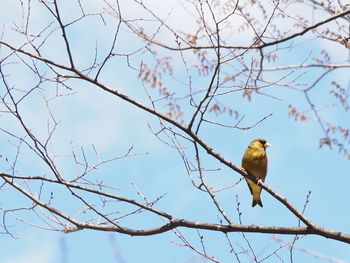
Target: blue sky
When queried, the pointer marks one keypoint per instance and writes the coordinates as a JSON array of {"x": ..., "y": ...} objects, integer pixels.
[{"x": 89, "y": 117}]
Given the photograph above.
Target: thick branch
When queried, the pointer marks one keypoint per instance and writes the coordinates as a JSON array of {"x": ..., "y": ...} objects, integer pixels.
[
  {"x": 254, "y": 46},
  {"x": 173, "y": 222}
]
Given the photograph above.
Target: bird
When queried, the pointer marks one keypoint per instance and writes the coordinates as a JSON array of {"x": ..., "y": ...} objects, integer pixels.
[{"x": 254, "y": 162}]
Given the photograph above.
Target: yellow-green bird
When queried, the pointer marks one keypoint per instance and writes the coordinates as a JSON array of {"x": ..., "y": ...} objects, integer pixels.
[{"x": 255, "y": 161}]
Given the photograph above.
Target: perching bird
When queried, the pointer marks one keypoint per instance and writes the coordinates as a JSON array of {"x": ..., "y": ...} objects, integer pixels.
[{"x": 254, "y": 162}]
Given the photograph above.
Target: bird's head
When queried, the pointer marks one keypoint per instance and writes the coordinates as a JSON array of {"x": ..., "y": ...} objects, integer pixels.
[{"x": 259, "y": 143}]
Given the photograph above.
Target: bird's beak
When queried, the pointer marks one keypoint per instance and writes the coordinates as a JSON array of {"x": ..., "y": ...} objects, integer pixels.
[{"x": 267, "y": 145}]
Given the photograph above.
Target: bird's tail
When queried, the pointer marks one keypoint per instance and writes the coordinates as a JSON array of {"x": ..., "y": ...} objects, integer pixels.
[
  {"x": 257, "y": 201},
  {"x": 255, "y": 191}
]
